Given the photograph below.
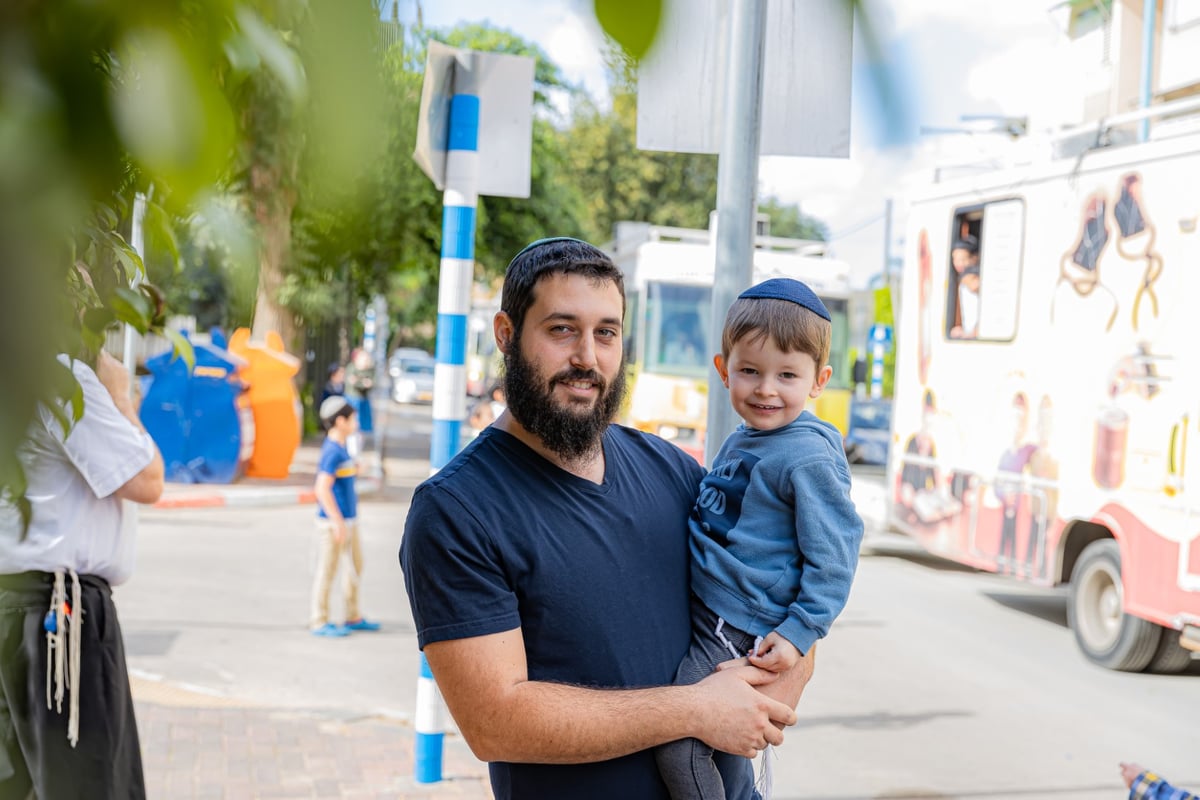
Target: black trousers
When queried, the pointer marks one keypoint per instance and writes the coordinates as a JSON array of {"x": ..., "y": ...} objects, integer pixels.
[{"x": 35, "y": 755}]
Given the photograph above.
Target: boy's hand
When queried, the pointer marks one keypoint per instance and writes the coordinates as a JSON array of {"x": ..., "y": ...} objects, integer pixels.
[
  {"x": 1129, "y": 773},
  {"x": 790, "y": 684},
  {"x": 775, "y": 654},
  {"x": 340, "y": 531}
]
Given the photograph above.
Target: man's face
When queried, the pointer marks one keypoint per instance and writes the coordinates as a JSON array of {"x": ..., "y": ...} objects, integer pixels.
[{"x": 564, "y": 371}]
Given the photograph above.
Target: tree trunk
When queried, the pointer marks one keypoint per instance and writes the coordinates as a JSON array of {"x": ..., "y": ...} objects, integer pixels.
[{"x": 273, "y": 207}]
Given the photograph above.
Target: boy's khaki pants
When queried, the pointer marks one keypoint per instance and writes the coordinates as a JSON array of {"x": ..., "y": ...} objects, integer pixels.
[{"x": 329, "y": 555}]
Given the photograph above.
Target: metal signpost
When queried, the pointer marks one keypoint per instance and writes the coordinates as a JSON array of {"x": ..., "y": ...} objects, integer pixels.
[{"x": 742, "y": 78}]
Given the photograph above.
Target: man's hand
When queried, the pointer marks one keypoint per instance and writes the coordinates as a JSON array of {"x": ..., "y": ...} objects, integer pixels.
[
  {"x": 787, "y": 686},
  {"x": 739, "y": 718},
  {"x": 775, "y": 654},
  {"x": 340, "y": 531}
]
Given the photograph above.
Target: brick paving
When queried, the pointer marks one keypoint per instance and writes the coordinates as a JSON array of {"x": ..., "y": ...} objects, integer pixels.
[{"x": 216, "y": 750}]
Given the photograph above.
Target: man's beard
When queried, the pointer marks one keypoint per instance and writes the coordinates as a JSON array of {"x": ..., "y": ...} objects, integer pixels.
[{"x": 569, "y": 433}]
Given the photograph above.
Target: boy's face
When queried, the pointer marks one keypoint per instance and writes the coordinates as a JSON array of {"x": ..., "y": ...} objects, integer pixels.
[
  {"x": 768, "y": 387},
  {"x": 961, "y": 258},
  {"x": 346, "y": 425}
]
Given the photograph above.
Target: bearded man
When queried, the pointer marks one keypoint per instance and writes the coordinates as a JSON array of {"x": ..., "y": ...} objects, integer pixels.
[{"x": 547, "y": 564}]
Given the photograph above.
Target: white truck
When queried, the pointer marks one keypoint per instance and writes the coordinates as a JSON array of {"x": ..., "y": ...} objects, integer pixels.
[{"x": 1046, "y": 412}]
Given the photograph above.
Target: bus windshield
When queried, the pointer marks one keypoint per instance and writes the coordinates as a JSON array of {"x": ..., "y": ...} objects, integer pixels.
[{"x": 676, "y": 323}]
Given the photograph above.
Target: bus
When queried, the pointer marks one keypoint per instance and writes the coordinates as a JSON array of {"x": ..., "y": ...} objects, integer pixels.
[
  {"x": 668, "y": 285},
  {"x": 1047, "y": 388}
]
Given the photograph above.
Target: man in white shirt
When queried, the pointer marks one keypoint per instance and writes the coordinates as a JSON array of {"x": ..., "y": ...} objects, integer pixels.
[{"x": 67, "y": 727}]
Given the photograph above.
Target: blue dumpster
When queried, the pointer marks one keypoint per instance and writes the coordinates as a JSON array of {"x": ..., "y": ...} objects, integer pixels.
[{"x": 194, "y": 417}]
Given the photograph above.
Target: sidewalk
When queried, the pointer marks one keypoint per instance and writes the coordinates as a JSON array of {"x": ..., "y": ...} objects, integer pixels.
[
  {"x": 296, "y": 488},
  {"x": 198, "y": 743}
]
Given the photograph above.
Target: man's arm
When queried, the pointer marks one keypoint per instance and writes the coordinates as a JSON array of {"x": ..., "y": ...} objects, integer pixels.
[
  {"x": 147, "y": 485},
  {"x": 504, "y": 716}
]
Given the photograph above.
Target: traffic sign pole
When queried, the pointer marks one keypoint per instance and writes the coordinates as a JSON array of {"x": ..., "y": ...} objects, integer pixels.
[{"x": 457, "y": 266}]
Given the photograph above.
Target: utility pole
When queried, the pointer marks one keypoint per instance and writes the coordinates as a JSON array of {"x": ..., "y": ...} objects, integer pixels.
[{"x": 737, "y": 187}]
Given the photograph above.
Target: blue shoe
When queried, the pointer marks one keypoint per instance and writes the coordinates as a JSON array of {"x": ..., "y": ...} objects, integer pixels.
[
  {"x": 362, "y": 625},
  {"x": 331, "y": 630}
]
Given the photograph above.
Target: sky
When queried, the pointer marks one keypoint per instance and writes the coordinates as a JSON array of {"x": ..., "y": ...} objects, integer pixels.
[{"x": 949, "y": 57}]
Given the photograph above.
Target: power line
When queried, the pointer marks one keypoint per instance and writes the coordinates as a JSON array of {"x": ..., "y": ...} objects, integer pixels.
[{"x": 855, "y": 228}]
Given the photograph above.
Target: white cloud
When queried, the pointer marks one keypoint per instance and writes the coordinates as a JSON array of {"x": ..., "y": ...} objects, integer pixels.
[
  {"x": 574, "y": 43},
  {"x": 1037, "y": 78}
]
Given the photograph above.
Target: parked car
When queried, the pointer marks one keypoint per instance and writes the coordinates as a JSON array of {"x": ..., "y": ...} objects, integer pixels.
[
  {"x": 870, "y": 431},
  {"x": 402, "y": 355},
  {"x": 414, "y": 382}
]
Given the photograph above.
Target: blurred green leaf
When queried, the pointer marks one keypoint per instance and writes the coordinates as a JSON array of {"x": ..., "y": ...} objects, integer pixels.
[
  {"x": 169, "y": 113},
  {"x": 267, "y": 45},
  {"x": 633, "y": 24},
  {"x": 182, "y": 348},
  {"x": 160, "y": 231},
  {"x": 98, "y": 319},
  {"x": 131, "y": 307}
]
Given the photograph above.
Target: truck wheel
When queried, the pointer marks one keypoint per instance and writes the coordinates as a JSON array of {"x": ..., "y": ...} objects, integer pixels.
[
  {"x": 1171, "y": 657},
  {"x": 1106, "y": 635}
]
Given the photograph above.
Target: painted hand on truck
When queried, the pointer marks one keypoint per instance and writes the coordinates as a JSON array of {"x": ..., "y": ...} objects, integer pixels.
[
  {"x": 1129, "y": 213},
  {"x": 1080, "y": 266}
]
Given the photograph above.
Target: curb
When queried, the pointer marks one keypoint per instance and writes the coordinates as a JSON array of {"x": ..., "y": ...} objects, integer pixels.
[{"x": 246, "y": 496}]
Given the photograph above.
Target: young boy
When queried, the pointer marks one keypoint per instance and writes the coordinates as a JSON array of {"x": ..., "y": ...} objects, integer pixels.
[
  {"x": 774, "y": 534},
  {"x": 337, "y": 523}
]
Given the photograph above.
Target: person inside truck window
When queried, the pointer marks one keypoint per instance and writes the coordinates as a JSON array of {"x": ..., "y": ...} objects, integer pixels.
[{"x": 964, "y": 257}]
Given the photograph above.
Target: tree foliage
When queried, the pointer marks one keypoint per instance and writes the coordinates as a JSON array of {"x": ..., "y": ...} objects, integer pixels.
[
  {"x": 99, "y": 101},
  {"x": 790, "y": 222}
]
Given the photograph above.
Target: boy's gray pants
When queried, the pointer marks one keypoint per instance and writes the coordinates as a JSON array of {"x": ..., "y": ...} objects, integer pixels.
[{"x": 691, "y": 769}]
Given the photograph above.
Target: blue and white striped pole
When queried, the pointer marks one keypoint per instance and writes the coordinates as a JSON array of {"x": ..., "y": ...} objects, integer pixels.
[
  {"x": 457, "y": 267},
  {"x": 429, "y": 728},
  {"x": 881, "y": 339},
  {"x": 450, "y": 374}
]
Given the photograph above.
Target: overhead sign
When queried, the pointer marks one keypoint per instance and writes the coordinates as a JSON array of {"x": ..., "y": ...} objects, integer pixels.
[
  {"x": 505, "y": 89},
  {"x": 805, "y": 86}
]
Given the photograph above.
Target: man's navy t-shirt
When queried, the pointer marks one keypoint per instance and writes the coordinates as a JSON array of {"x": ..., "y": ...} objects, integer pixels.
[{"x": 596, "y": 577}]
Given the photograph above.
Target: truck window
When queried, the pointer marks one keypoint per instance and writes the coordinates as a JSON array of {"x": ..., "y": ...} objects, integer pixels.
[{"x": 984, "y": 273}]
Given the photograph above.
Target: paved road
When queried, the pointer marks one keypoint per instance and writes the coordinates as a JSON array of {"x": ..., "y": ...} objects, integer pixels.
[{"x": 937, "y": 682}]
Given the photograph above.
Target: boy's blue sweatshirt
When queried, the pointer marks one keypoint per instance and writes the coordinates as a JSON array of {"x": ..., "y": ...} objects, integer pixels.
[{"x": 774, "y": 534}]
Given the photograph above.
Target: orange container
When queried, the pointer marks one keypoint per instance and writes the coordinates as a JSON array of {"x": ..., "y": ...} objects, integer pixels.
[{"x": 269, "y": 373}]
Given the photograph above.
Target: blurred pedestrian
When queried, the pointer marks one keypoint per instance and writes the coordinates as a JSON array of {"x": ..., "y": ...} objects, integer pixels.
[
  {"x": 1145, "y": 785},
  {"x": 67, "y": 724},
  {"x": 337, "y": 523},
  {"x": 488, "y": 409},
  {"x": 335, "y": 382},
  {"x": 360, "y": 380}
]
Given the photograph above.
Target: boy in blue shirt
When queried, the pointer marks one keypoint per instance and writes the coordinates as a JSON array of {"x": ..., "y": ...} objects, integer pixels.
[
  {"x": 774, "y": 535},
  {"x": 337, "y": 521}
]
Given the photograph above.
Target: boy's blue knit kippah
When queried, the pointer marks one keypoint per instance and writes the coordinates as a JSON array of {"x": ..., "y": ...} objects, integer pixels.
[{"x": 788, "y": 289}]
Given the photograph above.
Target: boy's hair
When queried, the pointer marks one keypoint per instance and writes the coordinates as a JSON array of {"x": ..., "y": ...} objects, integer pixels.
[
  {"x": 334, "y": 408},
  {"x": 559, "y": 255},
  {"x": 792, "y": 327}
]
